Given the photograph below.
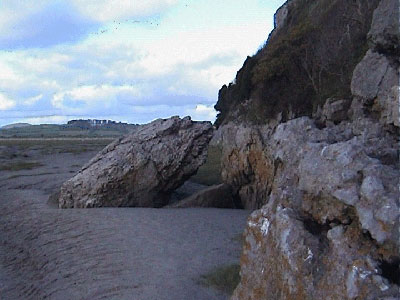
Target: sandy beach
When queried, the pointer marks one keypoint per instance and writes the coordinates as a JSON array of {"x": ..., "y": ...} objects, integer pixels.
[{"x": 104, "y": 253}]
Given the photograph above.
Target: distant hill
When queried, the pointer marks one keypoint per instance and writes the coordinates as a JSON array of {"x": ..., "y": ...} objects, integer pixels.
[
  {"x": 15, "y": 125},
  {"x": 74, "y": 128},
  {"x": 97, "y": 123}
]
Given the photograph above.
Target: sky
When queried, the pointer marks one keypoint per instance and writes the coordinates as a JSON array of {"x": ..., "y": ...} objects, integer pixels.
[{"x": 124, "y": 60}]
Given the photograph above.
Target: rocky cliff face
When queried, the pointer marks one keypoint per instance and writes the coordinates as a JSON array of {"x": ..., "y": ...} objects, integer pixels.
[
  {"x": 141, "y": 169},
  {"x": 325, "y": 184},
  {"x": 309, "y": 57}
]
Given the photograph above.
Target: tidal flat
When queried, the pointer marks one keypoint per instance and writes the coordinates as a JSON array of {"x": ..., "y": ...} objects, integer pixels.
[{"x": 102, "y": 253}]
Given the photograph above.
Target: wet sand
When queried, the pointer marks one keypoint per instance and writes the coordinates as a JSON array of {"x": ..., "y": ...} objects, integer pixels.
[{"x": 105, "y": 253}]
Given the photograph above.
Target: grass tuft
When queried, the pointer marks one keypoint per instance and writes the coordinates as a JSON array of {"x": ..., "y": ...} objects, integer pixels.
[
  {"x": 239, "y": 238},
  {"x": 20, "y": 165},
  {"x": 210, "y": 172},
  {"x": 223, "y": 278}
]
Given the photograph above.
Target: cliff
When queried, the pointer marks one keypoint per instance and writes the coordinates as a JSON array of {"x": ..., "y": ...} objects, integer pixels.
[
  {"x": 310, "y": 135},
  {"x": 309, "y": 57}
]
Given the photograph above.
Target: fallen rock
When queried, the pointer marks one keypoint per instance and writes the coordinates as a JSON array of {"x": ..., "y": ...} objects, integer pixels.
[
  {"x": 218, "y": 196},
  {"x": 141, "y": 169}
]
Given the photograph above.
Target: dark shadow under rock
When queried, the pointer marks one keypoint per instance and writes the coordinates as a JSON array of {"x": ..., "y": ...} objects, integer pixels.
[
  {"x": 218, "y": 196},
  {"x": 186, "y": 190}
]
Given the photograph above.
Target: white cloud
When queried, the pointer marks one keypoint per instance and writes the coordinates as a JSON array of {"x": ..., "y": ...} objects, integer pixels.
[
  {"x": 136, "y": 71},
  {"x": 12, "y": 12},
  {"x": 41, "y": 23},
  {"x": 91, "y": 95},
  {"x": 134, "y": 67},
  {"x": 203, "y": 112},
  {"x": 47, "y": 120},
  {"x": 32, "y": 100},
  {"x": 111, "y": 10},
  {"x": 54, "y": 63},
  {"x": 10, "y": 78},
  {"x": 6, "y": 103}
]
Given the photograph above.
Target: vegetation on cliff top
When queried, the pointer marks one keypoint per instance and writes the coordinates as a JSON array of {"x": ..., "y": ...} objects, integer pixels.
[{"x": 307, "y": 60}]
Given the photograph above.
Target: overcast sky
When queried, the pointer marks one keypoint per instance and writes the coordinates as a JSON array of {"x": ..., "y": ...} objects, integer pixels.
[{"x": 125, "y": 60}]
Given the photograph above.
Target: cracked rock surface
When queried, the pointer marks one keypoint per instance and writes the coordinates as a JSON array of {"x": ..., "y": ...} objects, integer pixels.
[{"x": 325, "y": 189}]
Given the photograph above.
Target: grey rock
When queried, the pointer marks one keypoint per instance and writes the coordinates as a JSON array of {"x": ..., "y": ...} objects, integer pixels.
[
  {"x": 388, "y": 106},
  {"x": 375, "y": 84},
  {"x": 216, "y": 139},
  {"x": 280, "y": 16},
  {"x": 384, "y": 32},
  {"x": 327, "y": 218},
  {"x": 369, "y": 75},
  {"x": 218, "y": 196},
  {"x": 335, "y": 110},
  {"x": 328, "y": 203},
  {"x": 141, "y": 169}
]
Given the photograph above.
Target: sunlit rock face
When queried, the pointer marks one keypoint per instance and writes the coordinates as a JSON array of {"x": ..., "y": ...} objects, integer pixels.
[
  {"x": 325, "y": 188},
  {"x": 141, "y": 169}
]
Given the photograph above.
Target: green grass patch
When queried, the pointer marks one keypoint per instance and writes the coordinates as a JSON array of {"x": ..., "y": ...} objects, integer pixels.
[
  {"x": 59, "y": 131},
  {"x": 210, "y": 172},
  {"x": 223, "y": 278},
  {"x": 20, "y": 165},
  {"x": 74, "y": 146},
  {"x": 239, "y": 238},
  {"x": 30, "y": 175},
  {"x": 56, "y": 146}
]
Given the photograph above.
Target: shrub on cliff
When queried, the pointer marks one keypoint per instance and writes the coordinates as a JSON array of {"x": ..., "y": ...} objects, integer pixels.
[{"x": 305, "y": 61}]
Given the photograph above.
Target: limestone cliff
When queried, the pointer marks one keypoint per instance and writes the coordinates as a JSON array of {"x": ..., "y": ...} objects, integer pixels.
[
  {"x": 320, "y": 168},
  {"x": 309, "y": 57}
]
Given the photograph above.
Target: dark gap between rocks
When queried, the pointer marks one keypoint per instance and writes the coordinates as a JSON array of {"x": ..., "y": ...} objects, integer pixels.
[
  {"x": 314, "y": 227},
  {"x": 237, "y": 202},
  {"x": 391, "y": 270}
]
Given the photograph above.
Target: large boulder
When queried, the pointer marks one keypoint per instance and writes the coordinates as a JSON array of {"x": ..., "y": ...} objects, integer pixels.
[{"x": 141, "y": 169}]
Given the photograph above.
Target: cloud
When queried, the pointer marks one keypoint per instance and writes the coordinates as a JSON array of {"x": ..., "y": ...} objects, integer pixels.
[
  {"x": 10, "y": 78},
  {"x": 49, "y": 23},
  {"x": 48, "y": 120},
  {"x": 114, "y": 72},
  {"x": 44, "y": 23},
  {"x": 115, "y": 10},
  {"x": 203, "y": 112},
  {"x": 128, "y": 71},
  {"x": 6, "y": 103},
  {"x": 32, "y": 100},
  {"x": 100, "y": 96}
]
